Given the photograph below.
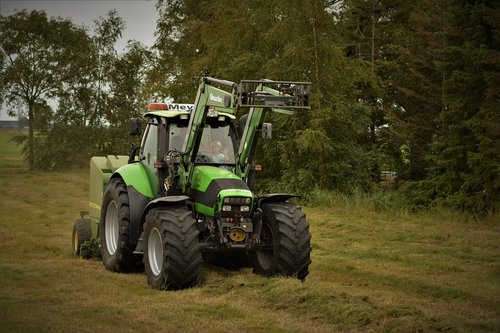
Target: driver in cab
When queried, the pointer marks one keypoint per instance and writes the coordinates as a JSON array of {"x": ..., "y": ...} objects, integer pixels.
[{"x": 217, "y": 154}]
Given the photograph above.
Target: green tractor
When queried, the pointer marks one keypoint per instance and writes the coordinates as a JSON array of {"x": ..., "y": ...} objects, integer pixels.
[{"x": 186, "y": 194}]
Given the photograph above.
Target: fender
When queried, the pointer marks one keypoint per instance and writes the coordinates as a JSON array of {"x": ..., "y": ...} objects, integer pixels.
[
  {"x": 159, "y": 202},
  {"x": 164, "y": 201},
  {"x": 139, "y": 195},
  {"x": 135, "y": 175},
  {"x": 275, "y": 197}
]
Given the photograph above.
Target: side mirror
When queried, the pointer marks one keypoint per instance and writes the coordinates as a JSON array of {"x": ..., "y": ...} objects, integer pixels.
[
  {"x": 134, "y": 126},
  {"x": 267, "y": 131}
]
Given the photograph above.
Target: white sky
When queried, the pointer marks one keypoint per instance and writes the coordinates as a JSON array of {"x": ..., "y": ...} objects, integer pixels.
[{"x": 139, "y": 15}]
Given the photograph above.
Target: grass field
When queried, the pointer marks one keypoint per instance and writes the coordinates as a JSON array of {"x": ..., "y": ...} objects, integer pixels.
[{"x": 371, "y": 271}]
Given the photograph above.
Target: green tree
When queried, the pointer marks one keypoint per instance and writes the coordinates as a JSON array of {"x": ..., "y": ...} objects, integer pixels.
[
  {"x": 292, "y": 40},
  {"x": 368, "y": 30},
  {"x": 35, "y": 54},
  {"x": 128, "y": 95},
  {"x": 95, "y": 82},
  {"x": 415, "y": 83},
  {"x": 466, "y": 161},
  {"x": 80, "y": 124}
]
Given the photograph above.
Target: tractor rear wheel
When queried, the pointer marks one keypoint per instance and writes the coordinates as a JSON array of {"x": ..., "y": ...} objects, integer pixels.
[
  {"x": 117, "y": 252},
  {"x": 81, "y": 233},
  {"x": 285, "y": 247},
  {"x": 171, "y": 249}
]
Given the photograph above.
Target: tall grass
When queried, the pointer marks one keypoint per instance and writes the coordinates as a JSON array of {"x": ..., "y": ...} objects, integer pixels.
[
  {"x": 378, "y": 201},
  {"x": 386, "y": 201}
]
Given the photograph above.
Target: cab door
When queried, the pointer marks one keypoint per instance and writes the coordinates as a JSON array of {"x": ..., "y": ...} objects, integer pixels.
[{"x": 148, "y": 154}]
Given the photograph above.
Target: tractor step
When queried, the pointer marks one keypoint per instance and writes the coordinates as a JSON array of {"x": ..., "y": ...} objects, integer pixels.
[{"x": 139, "y": 248}]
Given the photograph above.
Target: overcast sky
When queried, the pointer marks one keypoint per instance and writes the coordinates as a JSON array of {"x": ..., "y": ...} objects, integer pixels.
[{"x": 139, "y": 16}]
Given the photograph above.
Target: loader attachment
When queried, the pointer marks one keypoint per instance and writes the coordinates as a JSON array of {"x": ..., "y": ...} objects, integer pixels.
[{"x": 284, "y": 95}]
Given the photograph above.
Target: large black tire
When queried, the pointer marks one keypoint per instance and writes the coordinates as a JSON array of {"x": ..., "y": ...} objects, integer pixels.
[
  {"x": 81, "y": 233},
  {"x": 114, "y": 230},
  {"x": 171, "y": 248},
  {"x": 285, "y": 240}
]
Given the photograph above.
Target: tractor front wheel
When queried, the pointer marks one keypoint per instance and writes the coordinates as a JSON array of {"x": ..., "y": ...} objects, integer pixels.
[
  {"x": 285, "y": 247},
  {"x": 117, "y": 252},
  {"x": 172, "y": 253}
]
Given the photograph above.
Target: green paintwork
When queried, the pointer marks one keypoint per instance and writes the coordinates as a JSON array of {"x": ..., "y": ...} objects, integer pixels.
[
  {"x": 204, "y": 174},
  {"x": 135, "y": 175},
  {"x": 101, "y": 169},
  {"x": 233, "y": 193},
  {"x": 201, "y": 208},
  {"x": 208, "y": 96},
  {"x": 236, "y": 193},
  {"x": 255, "y": 119}
]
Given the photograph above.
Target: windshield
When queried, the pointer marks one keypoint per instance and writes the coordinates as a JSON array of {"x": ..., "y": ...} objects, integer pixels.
[{"x": 216, "y": 145}]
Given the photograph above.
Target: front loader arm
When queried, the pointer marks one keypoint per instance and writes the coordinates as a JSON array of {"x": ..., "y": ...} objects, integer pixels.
[
  {"x": 207, "y": 99},
  {"x": 258, "y": 95}
]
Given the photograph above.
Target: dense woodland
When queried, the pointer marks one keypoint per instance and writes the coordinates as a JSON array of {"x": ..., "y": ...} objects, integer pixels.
[{"x": 406, "y": 86}]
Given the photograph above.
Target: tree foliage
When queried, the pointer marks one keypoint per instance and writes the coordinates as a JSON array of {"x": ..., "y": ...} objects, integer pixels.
[
  {"x": 466, "y": 151},
  {"x": 293, "y": 40},
  {"x": 405, "y": 86},
  {"x": 91, "y": 90},
  {"x": 36, "y": 51}
]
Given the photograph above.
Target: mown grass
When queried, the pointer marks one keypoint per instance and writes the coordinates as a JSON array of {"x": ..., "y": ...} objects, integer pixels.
[{"x": 372, "y": 270}]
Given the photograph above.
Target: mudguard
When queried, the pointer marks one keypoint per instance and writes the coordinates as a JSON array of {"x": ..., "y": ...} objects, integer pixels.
[
  {"x": 275, "y": 197},
  {"x": 135, "y": 175},
  {"x": 164, "y": 201},
  {"x": 139, "y": 195}
]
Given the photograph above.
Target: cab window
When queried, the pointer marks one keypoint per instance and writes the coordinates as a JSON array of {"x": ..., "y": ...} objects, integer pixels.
[
  {"x": 150, "y": 143},
  {"x": 217, "y": 145}
]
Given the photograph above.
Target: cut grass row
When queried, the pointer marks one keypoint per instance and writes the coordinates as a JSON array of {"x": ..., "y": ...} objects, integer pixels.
[{"x": 371, "y": 271}]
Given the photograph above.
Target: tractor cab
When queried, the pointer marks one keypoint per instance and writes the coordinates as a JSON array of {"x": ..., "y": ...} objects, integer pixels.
[{"x": 164, "y": 138}]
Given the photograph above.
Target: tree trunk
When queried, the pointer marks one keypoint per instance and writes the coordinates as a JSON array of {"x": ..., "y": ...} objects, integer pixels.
[{"x": 31, "y": 122}]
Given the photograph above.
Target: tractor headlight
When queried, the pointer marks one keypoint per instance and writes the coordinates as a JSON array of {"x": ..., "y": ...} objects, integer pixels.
[{"x": 232, "y": 206}]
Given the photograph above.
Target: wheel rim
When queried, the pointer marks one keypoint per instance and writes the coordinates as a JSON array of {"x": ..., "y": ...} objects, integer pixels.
[
  {"x": 266, "y": 257},
  {"x": 155, "y": 251},
  {"x": 75, "y": 243},
  {"x": 112, "y": 228}
]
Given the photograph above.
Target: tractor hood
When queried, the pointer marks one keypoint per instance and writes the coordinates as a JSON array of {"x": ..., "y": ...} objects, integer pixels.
[{"x": 211, "y": 185}]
